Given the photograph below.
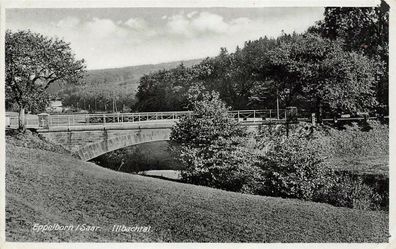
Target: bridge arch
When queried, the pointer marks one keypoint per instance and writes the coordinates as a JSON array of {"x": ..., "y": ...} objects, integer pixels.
[{"x": 111, "y": 143}]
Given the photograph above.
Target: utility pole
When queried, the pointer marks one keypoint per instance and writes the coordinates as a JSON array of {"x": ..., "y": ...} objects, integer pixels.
[{"x": 277, "y": 104}]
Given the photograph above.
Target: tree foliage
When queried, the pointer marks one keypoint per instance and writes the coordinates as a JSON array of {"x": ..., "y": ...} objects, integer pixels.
[
  {"x": 364, "y": 30},
  {"x": 164, "y": 90},
  {"x": 307, "y": 71},
  {"x": 232, "y": 75},
  {"x": 34, "y": 62},
  {"x": 319, "y": 70}
]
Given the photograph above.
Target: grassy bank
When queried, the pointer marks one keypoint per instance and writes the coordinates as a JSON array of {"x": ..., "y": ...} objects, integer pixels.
[
  {"x": 361, "y": 149},
  {"x": 47, "y": 187}
]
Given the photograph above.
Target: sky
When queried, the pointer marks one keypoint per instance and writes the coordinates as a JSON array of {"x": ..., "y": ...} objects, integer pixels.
[{"x": 118, "y": 37}]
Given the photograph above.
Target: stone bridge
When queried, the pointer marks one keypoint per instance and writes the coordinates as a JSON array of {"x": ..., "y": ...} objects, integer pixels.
[
  {"x": 91, "y": 135},
  {"x": 92, "y": 141}
]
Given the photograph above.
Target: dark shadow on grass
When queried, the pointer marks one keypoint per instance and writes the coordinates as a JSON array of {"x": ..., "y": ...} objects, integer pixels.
[{"x": 162, "y": 178}]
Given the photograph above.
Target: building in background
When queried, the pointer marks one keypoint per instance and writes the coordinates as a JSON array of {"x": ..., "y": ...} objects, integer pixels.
[{"x": 55, "y": 105}]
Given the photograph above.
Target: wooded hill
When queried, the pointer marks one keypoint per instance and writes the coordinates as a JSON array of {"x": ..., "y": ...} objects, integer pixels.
[{"x": 102, "y": 86}]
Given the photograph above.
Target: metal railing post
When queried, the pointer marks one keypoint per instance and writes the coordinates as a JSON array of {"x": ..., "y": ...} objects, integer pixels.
[
  {"x": 254, "y": 116},
  {"x": 104, "y": 118}
]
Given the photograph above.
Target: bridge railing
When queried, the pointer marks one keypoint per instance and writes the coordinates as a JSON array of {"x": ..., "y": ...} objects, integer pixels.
[
  {"x": 46, "y": 120},
  {"x": 258, "y": 115},
  {"x": 107, "y": 118},
  {"x": 12, "y": 120}
]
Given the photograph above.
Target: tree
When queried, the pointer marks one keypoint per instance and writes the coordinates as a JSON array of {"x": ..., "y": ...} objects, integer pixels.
[
  {"x": 164, "y": 90},
  {"x": 232, "y": 75},
  {"x": 210, "y": 145},
  {"x": 364, "y": 30},
  {"x": 34, "y": 62},
  {"x": 320, "y": 71}
]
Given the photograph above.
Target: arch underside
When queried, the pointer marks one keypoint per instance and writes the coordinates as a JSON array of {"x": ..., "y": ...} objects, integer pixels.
[{"x": 96, "y": 149}]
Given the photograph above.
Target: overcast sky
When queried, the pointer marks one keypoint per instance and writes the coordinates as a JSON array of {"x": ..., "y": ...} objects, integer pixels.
[{"x": 117, "y": 37}]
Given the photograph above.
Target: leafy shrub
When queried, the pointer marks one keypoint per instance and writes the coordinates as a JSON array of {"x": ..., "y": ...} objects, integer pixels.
[
  {"x": 293, "y": 168},
  {"x": 211, "y": 146},
  {"x": 350, "y": 191},
  {"x": 228, "y": 167}
]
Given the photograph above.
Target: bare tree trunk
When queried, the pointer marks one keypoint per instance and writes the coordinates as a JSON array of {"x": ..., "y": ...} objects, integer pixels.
[{"x": 22, "y": 120}]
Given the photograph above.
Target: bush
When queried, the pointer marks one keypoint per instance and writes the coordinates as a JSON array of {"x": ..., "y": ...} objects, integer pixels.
[
  {"x": 228, "y": 167},
  {"x": 293, "y": 168},
  {"x": 350, "y": 191}
]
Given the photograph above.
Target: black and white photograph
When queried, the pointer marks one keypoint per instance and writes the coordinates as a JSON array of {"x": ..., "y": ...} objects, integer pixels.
[{"x": 217, "y": 123}]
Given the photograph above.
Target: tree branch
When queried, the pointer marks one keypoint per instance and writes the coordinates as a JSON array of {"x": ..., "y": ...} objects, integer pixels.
[{"x": 50, "y": 81}]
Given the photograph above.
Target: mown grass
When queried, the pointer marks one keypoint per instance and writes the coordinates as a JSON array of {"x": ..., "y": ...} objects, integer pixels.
[{"x": 46, "y": 187}]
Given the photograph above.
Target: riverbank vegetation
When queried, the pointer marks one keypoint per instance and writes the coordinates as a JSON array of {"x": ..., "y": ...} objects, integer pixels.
[{"x": 216, "y": 151}]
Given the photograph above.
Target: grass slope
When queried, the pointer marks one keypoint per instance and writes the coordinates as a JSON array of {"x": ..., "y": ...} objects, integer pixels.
[{"x": 46, "y": 187}]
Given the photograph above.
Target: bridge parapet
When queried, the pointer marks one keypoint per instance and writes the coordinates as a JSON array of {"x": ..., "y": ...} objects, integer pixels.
[{"x": 46, "y": 121}]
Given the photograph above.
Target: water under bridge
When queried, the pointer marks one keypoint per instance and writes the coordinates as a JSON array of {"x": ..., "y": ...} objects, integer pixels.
[{"x": 91, "y": 135}]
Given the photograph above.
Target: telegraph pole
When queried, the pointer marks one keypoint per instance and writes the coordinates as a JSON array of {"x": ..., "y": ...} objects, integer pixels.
[{"x": 277, "y": 104}]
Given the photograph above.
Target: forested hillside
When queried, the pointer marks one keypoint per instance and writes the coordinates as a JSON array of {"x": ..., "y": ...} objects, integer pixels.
[{"x": 103, "y": 86}]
